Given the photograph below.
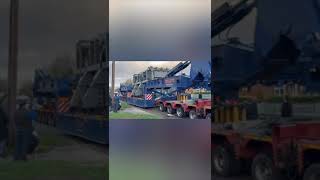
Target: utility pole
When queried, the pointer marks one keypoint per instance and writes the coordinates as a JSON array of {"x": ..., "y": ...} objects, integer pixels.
[
  {"x": 12, "y": 69},
  {"x": 112, "y": 83}
]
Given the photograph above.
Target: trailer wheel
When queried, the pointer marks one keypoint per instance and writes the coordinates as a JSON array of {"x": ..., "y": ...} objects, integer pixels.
[
  {"x": 162, "y": 108},
  {"x": 170, "y": 110},
  {"x": 263, "y": 168},
  {"x": 312, "y": 172},
  {"x": 193, "y": 114},
  {"x": 180, "y": 112},
  {"x": 224, "y": 162}
]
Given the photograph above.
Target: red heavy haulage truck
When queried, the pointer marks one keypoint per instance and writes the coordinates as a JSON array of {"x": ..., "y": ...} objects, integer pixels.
[
  {"x": 196, "y": 108},
  {"x": 281, "y": 149}
]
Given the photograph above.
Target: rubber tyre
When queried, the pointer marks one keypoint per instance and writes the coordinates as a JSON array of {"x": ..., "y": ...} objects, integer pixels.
[
  {"x": 269, "y": 172},
  {"x": 170, "y": 110},
  {"x": 162, "y": 108},
  {"x": 312, "y": 172},
  {"x": 193, "y": 114},
  {"x": 180, "y": 112},
  {"x": 224, "y": 162}
]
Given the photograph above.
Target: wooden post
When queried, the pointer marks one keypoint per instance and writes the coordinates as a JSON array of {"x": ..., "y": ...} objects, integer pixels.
[
  {"x": 12, "y": 69},
  {"x": 113, "y": 82}
]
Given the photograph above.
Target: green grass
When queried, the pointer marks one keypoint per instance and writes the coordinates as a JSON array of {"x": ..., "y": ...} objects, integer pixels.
[
  {"x": 137, "y": 171},
  {"x": 126, "y": 115},
  {"x": 124, "y": 105},
  {"x": 34, "y": 170},
  {"x": 49, "y": 141}
]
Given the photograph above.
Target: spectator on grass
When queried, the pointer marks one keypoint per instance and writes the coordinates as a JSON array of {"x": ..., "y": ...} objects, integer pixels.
[{"x": 24, "y": 131}]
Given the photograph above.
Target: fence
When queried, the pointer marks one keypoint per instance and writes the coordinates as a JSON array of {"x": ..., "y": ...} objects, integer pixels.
[{"x": 311, "y": 110}]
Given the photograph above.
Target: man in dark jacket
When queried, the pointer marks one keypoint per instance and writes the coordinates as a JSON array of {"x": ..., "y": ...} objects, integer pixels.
[
  {"x": 24, "y": 131},
  {"x": 3, "y": 132}
]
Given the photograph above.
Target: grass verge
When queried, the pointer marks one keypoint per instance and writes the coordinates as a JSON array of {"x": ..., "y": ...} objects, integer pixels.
[
  {"x": 126, "y": 115},
  {"x": 38, "y": 170},
  {"x": 50, "y": 141},
  {"x": 124, "y": 105}
]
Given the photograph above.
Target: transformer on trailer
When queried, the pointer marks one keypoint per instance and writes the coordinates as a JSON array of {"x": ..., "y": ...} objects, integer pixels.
[
  {"x": 159, "y": 81},
  {"x": 144, "y": 95},
  {"x": 168, "y": 92},
  {"x": 79, "y": 105}
]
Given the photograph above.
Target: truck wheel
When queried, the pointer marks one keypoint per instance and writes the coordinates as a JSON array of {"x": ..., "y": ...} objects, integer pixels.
[
  {"x": 180, "y": 112},
  {"x": 224, "y": 162},
  {"x": 170, "y": 110},
  {"x": 162, "y": 108},
  {"x": 193, "y": 114},
  {"x": 208, "y": 117},
  {"x": 263, "y": 168},
  {"x": 312, "y": 172}
]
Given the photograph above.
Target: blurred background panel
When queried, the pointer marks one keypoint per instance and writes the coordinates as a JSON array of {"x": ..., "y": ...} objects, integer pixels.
[
  {"x": 159, "y": 150},
  {"x": 159, "y": 30}
]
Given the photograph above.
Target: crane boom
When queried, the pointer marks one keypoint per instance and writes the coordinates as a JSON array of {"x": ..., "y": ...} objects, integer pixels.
[
  {"x": 181, "y": 66},
  {"x": 227, "y": 15}
]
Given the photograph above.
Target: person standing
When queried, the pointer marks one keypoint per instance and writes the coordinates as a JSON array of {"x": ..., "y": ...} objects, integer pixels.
[
  {"x": 34, "y": 139},
  {"x": 24, "y": 131},
  {"x": 116, "y": 105}
]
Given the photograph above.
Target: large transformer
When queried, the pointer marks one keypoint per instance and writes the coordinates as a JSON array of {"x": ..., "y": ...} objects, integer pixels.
[
  {"x": 90, "y": 92},
  {"x": 150, "y": 74},
  {"x": 77, "y": 105}
]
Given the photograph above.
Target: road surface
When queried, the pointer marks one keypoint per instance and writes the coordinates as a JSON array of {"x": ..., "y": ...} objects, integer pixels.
[{"x": 82, "y": 150}]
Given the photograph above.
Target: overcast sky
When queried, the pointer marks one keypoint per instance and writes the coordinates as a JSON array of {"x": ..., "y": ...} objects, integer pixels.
[
  {"x": 160, "y": 29},
  {"x": 50, "y": 28},
  {"x": 139, "y": 30},
  {"x": 126, "y": 69}
]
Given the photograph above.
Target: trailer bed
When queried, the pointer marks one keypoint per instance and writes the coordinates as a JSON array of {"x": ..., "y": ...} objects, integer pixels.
[
  {"x": 92, "y": 128},
  {"x": 141, "y": 102}
]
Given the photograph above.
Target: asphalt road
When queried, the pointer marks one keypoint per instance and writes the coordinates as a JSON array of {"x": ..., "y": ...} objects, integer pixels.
[{"x": 74, "y": 144}]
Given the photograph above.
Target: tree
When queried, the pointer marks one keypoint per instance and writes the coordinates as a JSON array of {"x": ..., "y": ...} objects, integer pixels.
[
  {"x": 128, "y": 82},
  {"x": 62, "y": 67}
]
